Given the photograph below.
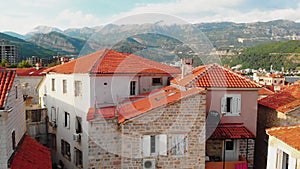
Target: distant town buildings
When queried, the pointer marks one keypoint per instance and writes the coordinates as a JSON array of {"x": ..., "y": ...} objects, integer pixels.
[{"x": 9, "y": 53}]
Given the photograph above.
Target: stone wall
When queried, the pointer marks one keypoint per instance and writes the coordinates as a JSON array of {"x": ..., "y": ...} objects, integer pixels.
[
  {"x": 120, "y": 146},
  {"x": 247, "y": 153},
  {"x": 214, "y": 149}
]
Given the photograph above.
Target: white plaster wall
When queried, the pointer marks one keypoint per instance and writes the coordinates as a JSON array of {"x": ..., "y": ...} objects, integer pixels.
[
  {"x": 14, "y": 120},
  {"x": 75, "y": 106}
]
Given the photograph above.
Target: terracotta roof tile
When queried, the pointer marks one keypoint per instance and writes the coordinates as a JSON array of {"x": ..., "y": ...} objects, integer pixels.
[
  {"x": 103, "y": 112},
  {"x": 216, "y": 76},
  {"x": 141, "y": 104},
  {"x": 29, "y": 71},
  {"x": 283, "y": 101},
  {"x": 290, "y": 135},
  {"x": 155, "y": 99},
  {"x": 265, "y": 91},
  {"x": 112, "y": 62},
  {"x": 6, "y": 80},
  {"x": 31, "y": 154},
  {"x": 231, "y": 132}
]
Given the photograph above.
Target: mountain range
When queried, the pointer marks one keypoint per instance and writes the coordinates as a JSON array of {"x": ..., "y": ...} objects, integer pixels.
[{"x": 156, "y": 41}]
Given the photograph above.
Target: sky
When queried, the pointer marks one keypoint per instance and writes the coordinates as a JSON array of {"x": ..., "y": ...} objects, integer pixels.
[{"x": 22, "y": 16}]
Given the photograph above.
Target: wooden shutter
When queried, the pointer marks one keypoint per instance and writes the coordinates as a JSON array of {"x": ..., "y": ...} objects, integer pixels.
[
  {"x": 162, "y": 144},
  {"x": 223, "y": 104},
  {"x": 146, "y": 145}
]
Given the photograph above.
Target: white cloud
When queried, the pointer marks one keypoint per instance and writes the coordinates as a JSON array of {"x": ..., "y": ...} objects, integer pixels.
[{"x": 67, "y": 19}]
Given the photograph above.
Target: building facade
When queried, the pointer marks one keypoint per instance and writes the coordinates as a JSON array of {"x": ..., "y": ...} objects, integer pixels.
[{"x": 9, "y": 53}]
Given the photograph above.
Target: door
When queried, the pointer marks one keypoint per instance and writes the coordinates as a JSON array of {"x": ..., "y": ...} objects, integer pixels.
[{"x": 231, "y": 150}]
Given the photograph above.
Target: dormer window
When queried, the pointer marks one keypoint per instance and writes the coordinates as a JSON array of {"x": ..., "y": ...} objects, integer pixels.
[{"x": 156, "y": 81}]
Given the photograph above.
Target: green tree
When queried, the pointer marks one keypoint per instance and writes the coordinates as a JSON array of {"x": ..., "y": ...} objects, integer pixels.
[{"x": 24, "y": 64}]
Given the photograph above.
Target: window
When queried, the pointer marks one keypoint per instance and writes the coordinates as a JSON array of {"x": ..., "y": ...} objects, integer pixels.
[
  {"x": 53, "y": 114},
  {"x": 156, "y": 81},
  {"x": 132, "y": 88},
  {"x": 78, "y": 126},
  {"x": 13, "y": 139},
  {"x": 231, "y": 105},
  {"x": 52, "y": 141},
  {"x": 65, "y": 149},
  {"x": 178, "y": 145},
  {"x": 36, "y": 115},
  {"x": 67, "y": 120},
  {"x": 53, "y": 84},
  {"x": 229, "y": 145},
  {"x": 64, "y": 86},
  {"x": 154, "y": 145},
  {"x": 282, "y": 160},
  {"x": 78, "y": 158},
  {"x": 78, "y": 88}
]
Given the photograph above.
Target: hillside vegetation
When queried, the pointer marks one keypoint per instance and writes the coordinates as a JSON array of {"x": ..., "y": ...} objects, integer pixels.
[{"x": 279, "y": 54}]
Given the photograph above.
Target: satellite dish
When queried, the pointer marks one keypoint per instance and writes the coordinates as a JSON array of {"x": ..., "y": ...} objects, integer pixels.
[{"x": 212, "y": 121}]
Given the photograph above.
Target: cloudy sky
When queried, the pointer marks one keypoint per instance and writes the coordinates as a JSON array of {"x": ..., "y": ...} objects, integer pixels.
[{"x": 22, "y": 16}]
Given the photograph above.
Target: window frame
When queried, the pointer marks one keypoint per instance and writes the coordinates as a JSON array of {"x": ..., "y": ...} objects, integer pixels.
[
  {"x": 77, "y": 88},
  {"x": 160, "y": 145},
  {"x": 67, "y": 120},
  {"x": 132, "y": 88},
  {"x": 174, "y": 144},
  {"x": 78, "y": 125},
  {"x": 235, "y": 104},
  {"x": 78, "y": 159},
  {"x": 52, "y": 84},
  {"x": 157, "y": 83},
  {"x": 66, "y": 149},
  {"x": 64, "y": 86}
]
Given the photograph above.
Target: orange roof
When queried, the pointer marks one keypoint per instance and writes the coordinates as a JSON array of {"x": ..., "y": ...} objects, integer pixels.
[
  {"x": 289, "y": 134},
  {"x": 284, "y": 100},
  {"x": 265, "y": 91},
  {"x": 112, "y": 62},
  {"x": 141, "y": 104},
  {"x": 29, "y": 71},
  {"x": 6, "y": 80},
  {"x": 104, "y": 112},
  {"x": 155, "y": 99},
  {"x": 31, "y": 154},
  {"x": 214, "y": 75},
  {"x": 231, "y": 132}
]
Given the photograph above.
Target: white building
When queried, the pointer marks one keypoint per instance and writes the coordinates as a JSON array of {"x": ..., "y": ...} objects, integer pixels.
[
  {"x": 101, "y": 79},
  {"x": 284, "y": 149},
  {"x": 16, "y": 149}
]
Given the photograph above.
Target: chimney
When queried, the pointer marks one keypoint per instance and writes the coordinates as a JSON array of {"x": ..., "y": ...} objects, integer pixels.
[{"x": 186, "y": 66}]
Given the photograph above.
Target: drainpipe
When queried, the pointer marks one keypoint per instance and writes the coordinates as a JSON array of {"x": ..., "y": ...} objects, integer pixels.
[{"x": 247, "y": 151}]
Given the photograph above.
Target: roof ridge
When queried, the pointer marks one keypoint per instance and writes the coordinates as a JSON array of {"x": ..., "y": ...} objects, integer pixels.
[
  {"x": 99, "y": 59},
  {"x": 207, "y": 69},
  {"x": 243, "y": 77}
]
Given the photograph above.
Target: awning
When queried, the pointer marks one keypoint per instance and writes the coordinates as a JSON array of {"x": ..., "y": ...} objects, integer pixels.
[{"x": 225, "y": 132}]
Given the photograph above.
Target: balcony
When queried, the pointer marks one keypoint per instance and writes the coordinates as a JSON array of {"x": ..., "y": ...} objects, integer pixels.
[{"x": 226, "y": 165}]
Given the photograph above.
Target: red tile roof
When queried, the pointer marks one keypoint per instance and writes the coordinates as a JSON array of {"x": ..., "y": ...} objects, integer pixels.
[
  {"x": 103, "y": 112},
  {"x": 29, "y": 71},
  {"x": 112, "y": 62},
  {"x": 284, "y": 100},
  {"x": 265, "y": 91},
  {"x": 143, "y": 103},
  {"x": 231, "y": 132},
  {"x": 216, "y": 76},
  {"x": 6, "y": 81},
  {"x": 290, "y": 135},
  {"x": 31, "y": 154}
]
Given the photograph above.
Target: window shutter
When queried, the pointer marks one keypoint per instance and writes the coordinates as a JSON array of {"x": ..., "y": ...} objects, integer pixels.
[
  {"x": 239, "y": 103},
  {"x": 223, "y": 104},
  {"x": 234, "y": 105},
  {"x": 292, "y": 162},
  {"x": 162, "y": 144},
  {"x": 146, "y": 146}
]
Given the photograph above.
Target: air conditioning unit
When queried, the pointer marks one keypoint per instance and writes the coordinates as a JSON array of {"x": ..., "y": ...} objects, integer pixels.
[
  {"x": 149, "y": 164},
  {"x": 53, "y": 124},
  {"x": 76, "y": 137}
]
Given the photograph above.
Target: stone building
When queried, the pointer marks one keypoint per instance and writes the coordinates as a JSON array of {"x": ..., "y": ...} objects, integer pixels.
[
  {"x": 99, "y": 80},
  {"x": 231, "y": 109},
  {"x": 279, "y": 109},
  {"x": 165, "y": 129}
]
